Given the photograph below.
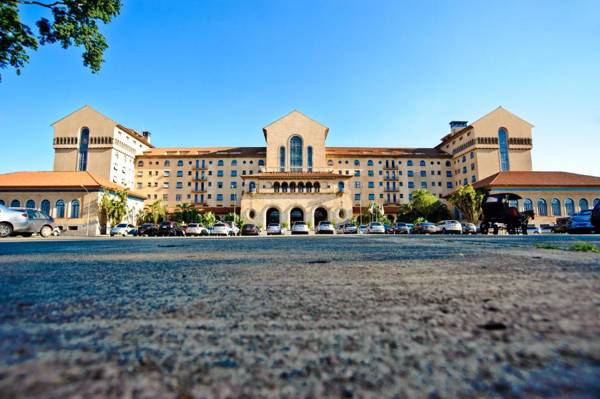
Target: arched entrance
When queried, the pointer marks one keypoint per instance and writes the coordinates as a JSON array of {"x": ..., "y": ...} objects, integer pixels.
[
  {"x": 272, "y": 215},
  {"x": 320, "y": 216},
  {"x": 296, "y": 215}
]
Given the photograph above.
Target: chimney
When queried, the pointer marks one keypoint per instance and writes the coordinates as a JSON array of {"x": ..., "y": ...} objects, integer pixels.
[
  {"x": 455, "y": 126},
  {"x": 147, "y": 135}
]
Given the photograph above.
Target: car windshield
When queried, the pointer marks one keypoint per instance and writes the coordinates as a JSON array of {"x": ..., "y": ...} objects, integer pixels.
[{"x": 122, "y": 225}]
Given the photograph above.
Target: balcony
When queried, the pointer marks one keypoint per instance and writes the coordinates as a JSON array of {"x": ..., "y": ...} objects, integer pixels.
[
  {"x": 200, "y": 178},
  {"x": 391, "y": 189},
  {"x": 391, "y": 178},
  {"x": 199, "y": 190},
  {"x": 200, "y": 167},
  {"x": 390, "y": 167}
]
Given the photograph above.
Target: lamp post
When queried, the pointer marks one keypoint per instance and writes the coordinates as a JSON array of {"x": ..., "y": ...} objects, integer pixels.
[
  {"x": 87, "y": 225},
  {"x": 234, "y": 203}
]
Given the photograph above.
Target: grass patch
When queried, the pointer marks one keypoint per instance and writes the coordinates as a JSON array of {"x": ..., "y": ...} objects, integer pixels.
[
  {"x": 583, "y": 246},
  {"x": 547, "y": 246}
]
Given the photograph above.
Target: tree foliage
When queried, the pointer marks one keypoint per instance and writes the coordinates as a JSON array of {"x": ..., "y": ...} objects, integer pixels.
[
  {"x": 113, "y": 205},
  {"x": 209, "y": 219},
  {"x": 234, "y": 218},
  {"x": 187, "y": 213},
  {"x": 69, "y": 23},
  {"x": 154, "y": 212},
  {"x": 468, "y": 201},
  {"x": 423, "y": 206}
]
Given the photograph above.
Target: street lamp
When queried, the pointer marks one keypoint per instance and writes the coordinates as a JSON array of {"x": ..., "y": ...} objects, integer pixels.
[{"x": 234, "y": 203}]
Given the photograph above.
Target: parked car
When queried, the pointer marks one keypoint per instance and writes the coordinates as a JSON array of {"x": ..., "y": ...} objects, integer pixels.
[
  {"x": 561, "y": 225},
  {"x": 274, "y": 228},
  {"x": 38, "y": 223},
  {"x": 362, "y": 229},
  {"x": 325, "y": 227},
  {"x": 376, "y": 228},
  {"x": 220, "y": 229},
  {"x": 425, "y": 228},
  {"x": 581, "y": 222},
  {"x": 250, "y": 230},
  {"x": 403, "y": 228},
  {"x": 595, "y": 219},
  {"x": 449, "y": 227},
  {"x": 533, "y": 229},
  {"x": 469, "y": 228},
  {"x": 123, "y": 229},
  {"x": 347, "y": 228},
  {"x": 389, "y": 229},
  {"x": 196, "y": 229},
  {"x": 299, "y": 228},
  {"x": 233, "y": 229},
  {"x": 148, "y": 229},
  {"x": 170, "y": 229},
  {"x": 12, "y": 221}
]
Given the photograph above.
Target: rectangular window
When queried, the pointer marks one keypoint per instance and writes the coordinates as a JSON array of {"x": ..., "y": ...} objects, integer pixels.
[
  {"x": 410, "y": 173},
  {"x": 357, "y": 173},
  {"x": 449, "y": 184},
  {"x": 233, "y": 184},
  {"x": 423, "y": 184},
  {"x": 371, "y": 197},
  {"x": 356, "y": 184},
  {"x": 166, "y": 184},
  {"x": 219, "y": 184},
  {"x": 356, "y": 197},
  {"x": 371, "y": 184},
  {"x": 177, "y": 197},
  {"x": 232, "y": 197},
  {"x": 448, "y": 173},
  {"x": 166, "y": 173},
  {"x": 423, "y": 173},
  {"x": 139, "y": 185},
  {"x": 180, "y": 173},
  {"x": 370, "y": 173},
  {"x": 179, "y": 184},
  {"x": 165, "y": 197},
  {"x": 219, "y": 197},
  {"x": 234, "y": 173},
  {"x": 219, "y": 173},
  {"x": 411, "y": 184}
]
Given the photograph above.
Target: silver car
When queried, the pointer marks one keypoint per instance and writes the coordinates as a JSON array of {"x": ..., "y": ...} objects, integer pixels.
[
  {"x": 12, "y": 221},
  {"x": 449, "y": 227},
  {"x": 403, "y": 228},
  {"x": 347, "y": 229},
  {"x": 325, "y": 227},
  {"x": 376, "y": 228},
  {"x": 38, "y": 223},
  {"x": 362, "y": 229},
  {"x": 196, "y": 229},
  {"x": 274, "y": 228},
  {"x": 299, "y": 228},
  {"x": 123, "y": 229},
  {"x": 220, "y": 229},
  {"x": 469, "y": 228}
]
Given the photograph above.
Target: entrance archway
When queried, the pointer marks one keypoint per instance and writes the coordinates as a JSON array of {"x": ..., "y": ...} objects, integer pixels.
[
  {"x": 296, "y": 215},
  {"x": 272, "y": 215},
  {"x": 320, "y": 216}
]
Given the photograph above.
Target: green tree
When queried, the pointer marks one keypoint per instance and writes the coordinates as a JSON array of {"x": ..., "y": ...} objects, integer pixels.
[
  {"x": 234, "y": 218},
  {"x": 209, "y": 219},
  {"x": 155, "y": 212},
  {"x": 423, "y": 206},
  {"x": 468, "y": 201},
  {"x": 113, "y": 206},
  {"x": 71, "y": 23},
  {"x": 186, "y": 213}
]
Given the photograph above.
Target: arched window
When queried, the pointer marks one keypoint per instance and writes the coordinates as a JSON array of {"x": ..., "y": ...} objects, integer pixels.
[
  {"x": 284, "y": 187},
  {"x": 448, "y": 163},
  {"x": 60, "y": 209},
  {"x": 503, "y": 148},
  {"x": 409, "y": 162},
  {"x": 74, "y": 209},
  {"x": 341, "y": 187},
  {"x": 261, "y": 162},
  {"x": 252, "y": 187},
  {"x": 167, "y": 163},
  {"x": 422, "y": 163},
  {"x": 30, "y": 204},
  {"x": 556, "y": 211},
  {"x": 584, "y": 204},
  {"x": 570, "y": 206},
  {"x": 282, "y": 158},
  {"x": 296, "y": 153},
  {"x": 45, "y": 207},
  {"x": 300, "y": 187},
  {"x": 330, "y": 163},
  {"x": 140, "y": 163},
  {"x": 83, "y": 148},
  {"x": 317, "y": 187},
  {"x": 180, "y": 163},
  {"x": 542, "y": 207},
  {"x": 356, "y": 162},
  {"x": 370, "y": 162},
  {"x": 233, "y": 162},
  {"x": 596, "y": 200},
  {"x": 292, "y": 187},
  {"x": 528, "y": 204},
  {"x": 276, "y": 187},
  {"x": 309, "y": 158},
  {"x": 15, "y": 204},
  {"x": 309, "y": 187},
  {"x": 220, "y": 162}
]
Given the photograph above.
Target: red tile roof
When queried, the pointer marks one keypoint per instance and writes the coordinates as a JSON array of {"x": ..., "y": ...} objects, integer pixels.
[
  {"x": 537, "y": 179},
  {"x": 57, "y": 180}
]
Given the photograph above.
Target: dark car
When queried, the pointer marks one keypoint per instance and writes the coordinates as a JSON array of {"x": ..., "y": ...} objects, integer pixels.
[
  {"x": 250, "y": 230},
  {"x": 389, "y": 229},
  {"x": 148, "y": 229},
  {"x": 561, "y": 225},
  {"x": 596, "y": 217},
  {"x": 170, "y": 229}
]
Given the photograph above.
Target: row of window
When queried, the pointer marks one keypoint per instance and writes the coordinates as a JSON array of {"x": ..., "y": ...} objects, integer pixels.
[
  {"x": 390, "y": 199},
  {"x": 60, "y": 208},
  {"x": 388, "y": 163},
  {"x": 556, "y": 208},
  {"x": 220, "y": 162}
]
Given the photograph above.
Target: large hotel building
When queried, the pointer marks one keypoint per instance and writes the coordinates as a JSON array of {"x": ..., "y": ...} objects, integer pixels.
[{"x": 295, "y": 176}]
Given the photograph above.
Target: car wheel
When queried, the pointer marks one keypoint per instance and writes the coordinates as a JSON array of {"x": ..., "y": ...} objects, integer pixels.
[
  {"x": 46, "y": 231},
  {"x": 444, "y": 231},
  {"x": 5, "y": 229}
]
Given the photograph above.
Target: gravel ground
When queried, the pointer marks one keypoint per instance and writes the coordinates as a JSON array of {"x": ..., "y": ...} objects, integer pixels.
[{"x": 299, "y": 317}]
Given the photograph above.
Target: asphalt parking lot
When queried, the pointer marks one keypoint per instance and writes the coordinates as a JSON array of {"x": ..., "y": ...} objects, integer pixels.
[{"x": 351, "y": 316}]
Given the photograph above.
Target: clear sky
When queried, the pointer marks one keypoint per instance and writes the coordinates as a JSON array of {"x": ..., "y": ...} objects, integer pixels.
[{"x": 378, "y": 73}]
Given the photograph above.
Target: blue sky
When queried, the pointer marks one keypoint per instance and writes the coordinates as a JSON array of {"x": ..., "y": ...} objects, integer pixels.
[{"x": 385, "y": 73}]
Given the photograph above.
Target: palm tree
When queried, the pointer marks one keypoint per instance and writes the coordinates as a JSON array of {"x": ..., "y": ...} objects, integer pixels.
[
  {"x": 209, "y": 219},
  {"x": 155, "y": 211},
  {"x": 187, "y": 213}
]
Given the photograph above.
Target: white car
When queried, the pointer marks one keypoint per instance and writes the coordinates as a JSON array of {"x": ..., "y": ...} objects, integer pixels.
[
  {"x": 469, "y": 228},
  {"x": 376, "y": 228},
  {"x": 122, "y": 229},
  {"x": 196, "y": 229},
  {"x": 299, "y": 228},
  {"x": 362, "y": 229},
  {"x": 274, "y": 228},
  {"x": 233, "y": 230},
  {"x": 220, "y": 229},
  {"x": 325, "y": 227},
  {"x": 347, "y": 229},
  {"x": 449, "y": 227}
]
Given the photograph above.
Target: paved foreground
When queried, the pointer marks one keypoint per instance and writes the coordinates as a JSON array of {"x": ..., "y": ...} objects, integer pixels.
[{"x": 298, "y": 317}]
